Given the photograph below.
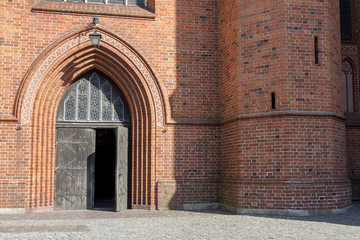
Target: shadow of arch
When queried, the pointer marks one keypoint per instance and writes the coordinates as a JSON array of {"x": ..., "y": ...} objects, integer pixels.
[{"x": 47, "y": 80}]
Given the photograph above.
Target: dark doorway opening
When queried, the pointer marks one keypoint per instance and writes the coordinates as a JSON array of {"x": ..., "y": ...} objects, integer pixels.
[{"x": 105, "y": 166}]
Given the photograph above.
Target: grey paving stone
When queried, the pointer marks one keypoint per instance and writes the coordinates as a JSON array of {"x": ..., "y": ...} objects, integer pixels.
[{"x": 142, "y": 224}]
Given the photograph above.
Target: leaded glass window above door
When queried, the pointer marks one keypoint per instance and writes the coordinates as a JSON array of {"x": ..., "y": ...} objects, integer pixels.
[{"x": 93, "y": 98}]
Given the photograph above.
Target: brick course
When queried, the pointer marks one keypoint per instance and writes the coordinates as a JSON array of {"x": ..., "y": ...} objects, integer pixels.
[{"x": 265, "y": 48}]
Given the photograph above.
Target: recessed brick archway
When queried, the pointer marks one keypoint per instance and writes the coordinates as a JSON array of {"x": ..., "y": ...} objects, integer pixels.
[{"x": 48, "y": 78}]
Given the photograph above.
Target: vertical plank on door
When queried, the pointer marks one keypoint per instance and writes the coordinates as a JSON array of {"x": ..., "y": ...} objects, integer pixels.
[
  {"x": 121, "y": 185},
  {"x": 75, "y": 153}
]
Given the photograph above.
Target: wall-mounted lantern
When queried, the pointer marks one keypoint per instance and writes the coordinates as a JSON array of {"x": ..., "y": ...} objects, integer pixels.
[{"x": 95, "y": 37}]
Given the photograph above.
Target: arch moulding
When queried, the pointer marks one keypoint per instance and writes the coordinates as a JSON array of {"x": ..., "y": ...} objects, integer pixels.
[
  {"x": 80, "y": 38},
  {"x": 54, "y": 70}
]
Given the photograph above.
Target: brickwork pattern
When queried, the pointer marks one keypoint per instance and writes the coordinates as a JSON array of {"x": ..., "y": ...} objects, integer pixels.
[
  {"x": 165, "y": 42},
  {"x": 353, "y": 158},
  {"x": 188, "y": 165},
  {"x": 353, "y": 150},
  {"x": 299, "y": 172},
  {"x": 199, "y": 89},
  {"x": 269, "y": 47},
  {"x": 267, "y": 148},
  {"x": 350, "y": 52},
  {"x": 14, "y": 162}
]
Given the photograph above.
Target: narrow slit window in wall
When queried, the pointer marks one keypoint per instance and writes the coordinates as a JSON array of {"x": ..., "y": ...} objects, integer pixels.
[
  {"x": 273, "y": 105},
  {"x": 316, "y": 48}
]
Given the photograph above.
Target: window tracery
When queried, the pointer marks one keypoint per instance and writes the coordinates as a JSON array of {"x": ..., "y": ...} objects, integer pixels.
[
  {"x": 348, "y": 89},
  {"x": 118, "y": 110},
  {"x": 93, "y": 99},
  {"x": 106, "y": 101},
  {"x": 82, "y": 101},
  {"x": 69, "y": 108}
]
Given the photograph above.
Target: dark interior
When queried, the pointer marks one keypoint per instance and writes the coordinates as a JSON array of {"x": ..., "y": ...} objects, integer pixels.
[{"x": 105, "y": 160}]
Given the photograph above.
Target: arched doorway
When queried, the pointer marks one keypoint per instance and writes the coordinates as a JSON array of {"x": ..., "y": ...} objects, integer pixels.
[
  {"x": 92, "y": 132},
  {"x": 46, "y": 82}
]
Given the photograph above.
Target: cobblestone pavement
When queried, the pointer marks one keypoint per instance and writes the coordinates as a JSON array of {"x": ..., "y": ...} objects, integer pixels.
[{"x": 143, "y": 224}]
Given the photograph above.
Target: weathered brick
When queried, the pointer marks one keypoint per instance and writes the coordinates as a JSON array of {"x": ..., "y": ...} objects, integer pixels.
[{"x": 215, "y": 64}]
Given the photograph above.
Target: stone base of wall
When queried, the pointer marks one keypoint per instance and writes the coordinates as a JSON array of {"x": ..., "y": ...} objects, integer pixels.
[
  {"x": 306, "y": 197},
  {"x": 12, "y": 210},
  {"x": 189, "y": 194},
  {"x": 201, "y": 206}
]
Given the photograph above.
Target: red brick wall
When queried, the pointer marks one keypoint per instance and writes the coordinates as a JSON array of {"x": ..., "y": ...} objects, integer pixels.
[
  {"x": 350, "y": 51},
  {"x": 179, "y": 41},
  {"x": 294, "y": 196},
  {"x": 14, "y": 165},
  {"x": 284, "y": 162},
  {"x": 288, "y": 147},
  {"x": 264, "y": 47},
  {"x": 353, "y": 158},
  {"x": 353, "y": 132},
  {"x": 269, "y": 47},
  {"x": 188, "y": 166}
]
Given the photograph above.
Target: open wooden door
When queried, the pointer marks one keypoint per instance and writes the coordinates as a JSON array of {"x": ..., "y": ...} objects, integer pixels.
[
  {"x": 121, "y": 185},
  {"x": 74, "y": 168}
]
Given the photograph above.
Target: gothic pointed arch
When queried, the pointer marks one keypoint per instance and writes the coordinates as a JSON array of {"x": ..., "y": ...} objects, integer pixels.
[
  {"x": 77, "y": 41},
  {"x": 51, "y": 75}
]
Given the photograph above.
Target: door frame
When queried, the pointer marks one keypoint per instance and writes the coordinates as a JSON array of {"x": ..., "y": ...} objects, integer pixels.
[{"x": 122, "y": 165}]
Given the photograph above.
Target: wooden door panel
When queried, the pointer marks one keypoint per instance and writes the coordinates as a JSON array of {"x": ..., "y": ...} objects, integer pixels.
[
  {"x": 75, "y": 156},
  {"x": 121, "y": 191}
]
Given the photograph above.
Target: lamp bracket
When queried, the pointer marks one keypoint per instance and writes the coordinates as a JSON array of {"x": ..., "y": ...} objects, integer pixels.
[{"x": 95, "y": 21}]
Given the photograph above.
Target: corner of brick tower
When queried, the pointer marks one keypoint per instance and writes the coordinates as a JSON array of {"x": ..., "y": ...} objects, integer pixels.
[{"x": 283, "y": 128}]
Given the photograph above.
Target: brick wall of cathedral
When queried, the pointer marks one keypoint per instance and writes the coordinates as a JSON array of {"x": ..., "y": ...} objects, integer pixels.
[
  {"x": 180, "y": 41},
  {"x": 283, "y": 130},
  {"x": 350, "y": 53},
  {"x": 252, "y": 120}
]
